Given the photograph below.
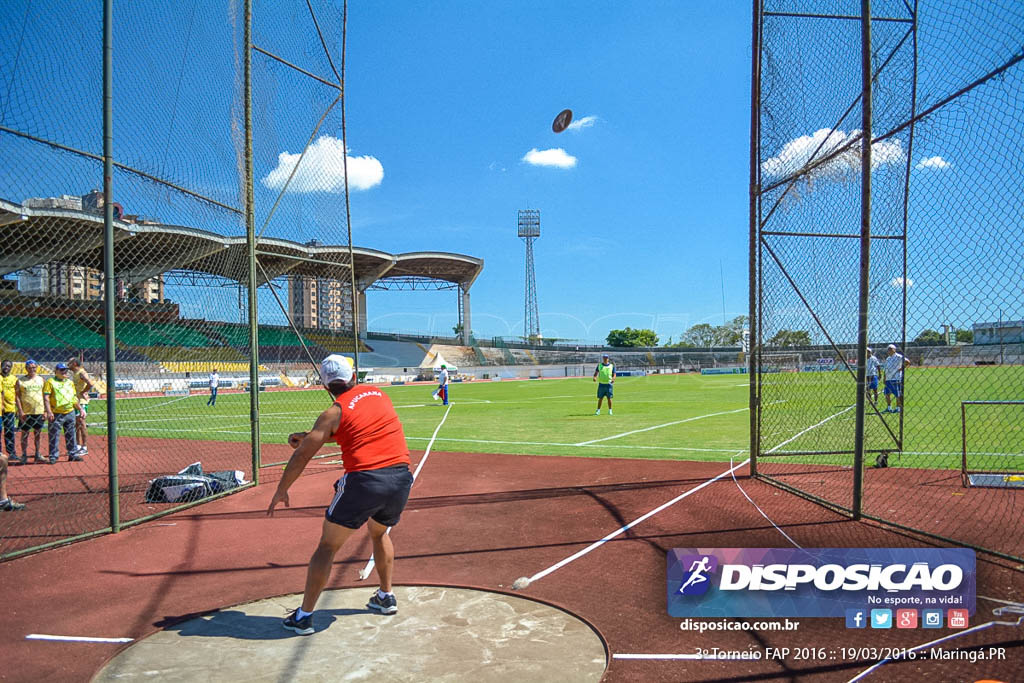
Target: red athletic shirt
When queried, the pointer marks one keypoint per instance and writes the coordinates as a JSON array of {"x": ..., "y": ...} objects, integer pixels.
[{"x": 369, "y": 433}]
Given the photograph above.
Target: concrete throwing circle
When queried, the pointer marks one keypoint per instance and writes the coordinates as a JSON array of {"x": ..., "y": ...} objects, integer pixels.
[{"x": 438, "y": 634}]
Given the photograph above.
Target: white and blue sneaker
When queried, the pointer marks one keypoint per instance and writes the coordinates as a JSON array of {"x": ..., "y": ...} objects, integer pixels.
[
  {"x": 303, "y": 626},
  {"x": 385, "y": 605}
]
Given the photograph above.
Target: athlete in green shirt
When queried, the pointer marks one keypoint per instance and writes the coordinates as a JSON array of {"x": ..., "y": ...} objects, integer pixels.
[{"x": 604, "y": 375}]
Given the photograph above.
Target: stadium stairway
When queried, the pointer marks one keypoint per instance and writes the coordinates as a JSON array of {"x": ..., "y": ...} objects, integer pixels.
[
  {"x": 480, "y": 357},
  {"x": 506, "y": 355}
]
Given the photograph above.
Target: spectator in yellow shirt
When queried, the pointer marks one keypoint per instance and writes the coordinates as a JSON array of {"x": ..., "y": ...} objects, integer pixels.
[
  {"x": 31, "y": 413},
  {"x": 9, "y": 396},
  {"x": 83, "y": 385},
  {"x": 7, "y": 385},
  {"x": 60, "y": 403}
]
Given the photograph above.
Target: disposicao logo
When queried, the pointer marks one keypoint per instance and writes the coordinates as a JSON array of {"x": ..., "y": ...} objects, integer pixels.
[
  {"x": 823, "y": 582},
  {"x": 697, "y": 579}
]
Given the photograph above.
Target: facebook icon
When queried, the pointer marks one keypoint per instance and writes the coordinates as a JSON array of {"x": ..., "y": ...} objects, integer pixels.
[{"x": 856, "y": 618}]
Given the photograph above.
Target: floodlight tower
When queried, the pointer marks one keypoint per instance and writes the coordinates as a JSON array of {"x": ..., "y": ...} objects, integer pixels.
[{"x": 529, "y": 230}]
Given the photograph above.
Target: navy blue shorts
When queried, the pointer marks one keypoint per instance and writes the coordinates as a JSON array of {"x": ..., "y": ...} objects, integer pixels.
[
  {"x": 894, "y": 387},
  {"x": 378, "y": 494},
  {"x": 604, "y": 390},
  {"x": 32, "y": 422},
  {"x": 873, "y": 382}
]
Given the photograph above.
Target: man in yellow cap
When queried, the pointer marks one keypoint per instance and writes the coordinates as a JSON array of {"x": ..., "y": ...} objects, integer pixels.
[
  {"x": 31, "y": 413},
  {"x": 60, "y": 402}
]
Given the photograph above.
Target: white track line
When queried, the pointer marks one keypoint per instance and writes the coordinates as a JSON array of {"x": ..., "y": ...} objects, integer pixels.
[
  {"x": 426, "y": 453},
  {"x": 623, "y": 529},
  {"x": 77, "y": 639},
  {"x": 732, "y": 471},
  {"x": 423, "y": 461},
  {"x": 667, "y": 424},
  {"x": 597, "y": 544},
  {"x": 555, "y": 443},
  {"x": 688, "y": 656},
  {"x": 244, "y": 429},
  {"x": 758, "y": 508},
  {"x": 174, "y": 400},
  {"x": 801, "y": 433},
  {"x": 792, "y": 438},
  {"x": 202, "y": 417},
  {"x": 1002, "y": 602},
  {"x": 507, "y": 443}
]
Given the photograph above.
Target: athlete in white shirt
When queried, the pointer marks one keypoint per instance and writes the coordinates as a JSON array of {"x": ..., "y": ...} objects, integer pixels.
[
  {"x": 214, "y": 383},
  {"x": 872, "y": 375},
  {"x": 893, "y": 367},
  {"x": 442, "y": 388}
]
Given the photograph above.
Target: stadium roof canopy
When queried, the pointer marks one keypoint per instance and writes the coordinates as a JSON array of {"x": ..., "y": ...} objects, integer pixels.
[{"x": 34, "y": 236}]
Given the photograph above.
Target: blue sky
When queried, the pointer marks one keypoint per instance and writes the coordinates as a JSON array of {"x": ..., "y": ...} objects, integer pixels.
[
  {"x": 445, "y": 99},
  {"x": 450, "y": 97},
  {"x": 449, "y": 107}
]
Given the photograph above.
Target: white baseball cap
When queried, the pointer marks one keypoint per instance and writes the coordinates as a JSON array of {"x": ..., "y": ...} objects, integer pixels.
[
  {"x": 336, "y": 368},
  {"x": 891, "y": 346}
]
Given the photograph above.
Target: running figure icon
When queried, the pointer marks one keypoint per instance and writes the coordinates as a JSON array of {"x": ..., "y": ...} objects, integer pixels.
[{"x": 697, "y": 573}]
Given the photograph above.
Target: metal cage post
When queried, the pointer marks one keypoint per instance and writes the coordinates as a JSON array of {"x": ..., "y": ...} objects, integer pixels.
[{"x": 109, "y": 286}]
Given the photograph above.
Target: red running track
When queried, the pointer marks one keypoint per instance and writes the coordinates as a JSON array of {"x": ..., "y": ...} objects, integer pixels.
[{"x": 478, "y": 521}]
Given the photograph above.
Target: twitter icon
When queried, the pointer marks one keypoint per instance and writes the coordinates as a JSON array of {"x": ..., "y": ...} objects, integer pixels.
[{"x": 881, "y": 618}]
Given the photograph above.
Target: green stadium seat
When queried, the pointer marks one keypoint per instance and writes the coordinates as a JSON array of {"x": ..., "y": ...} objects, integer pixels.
[{"x": 58, "y": 333}]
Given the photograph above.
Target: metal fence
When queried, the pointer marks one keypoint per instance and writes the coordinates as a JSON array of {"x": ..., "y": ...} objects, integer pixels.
[
  {"x": 885, "y": 209},
  {"x": 174, "y": 216}
]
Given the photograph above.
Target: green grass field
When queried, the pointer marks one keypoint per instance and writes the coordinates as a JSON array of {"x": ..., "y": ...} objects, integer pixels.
[
  {"x": 684, "y": 417},
  {"x": 931, "y": 417}
]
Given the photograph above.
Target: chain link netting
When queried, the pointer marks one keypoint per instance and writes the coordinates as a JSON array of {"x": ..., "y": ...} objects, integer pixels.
[
  {"x": 946, "y": 261},
  {"x": 183, "y": 272}
]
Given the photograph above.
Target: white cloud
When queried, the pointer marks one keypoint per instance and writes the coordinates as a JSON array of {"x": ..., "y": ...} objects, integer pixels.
[
  {"x": 798, "y": 152},
  {"x": 580, "y": 124},
  {"x": 933, "y": 162},
  {"x": 897, "y": 282},
  {"x": 556, "y": 157},
  {"x": 323, "y": 170}
]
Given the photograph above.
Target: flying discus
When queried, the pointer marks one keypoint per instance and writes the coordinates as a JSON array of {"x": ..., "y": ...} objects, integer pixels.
[{"x": 562, "y": 121}]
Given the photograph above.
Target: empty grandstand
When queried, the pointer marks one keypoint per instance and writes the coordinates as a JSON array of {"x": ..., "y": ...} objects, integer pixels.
[{"x": 154, "y": 336}]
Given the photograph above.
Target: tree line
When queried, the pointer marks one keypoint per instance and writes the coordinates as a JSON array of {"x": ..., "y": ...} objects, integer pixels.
[
  {"x": 699, "y": 336},
  {"x": 704, "y": 335}
]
